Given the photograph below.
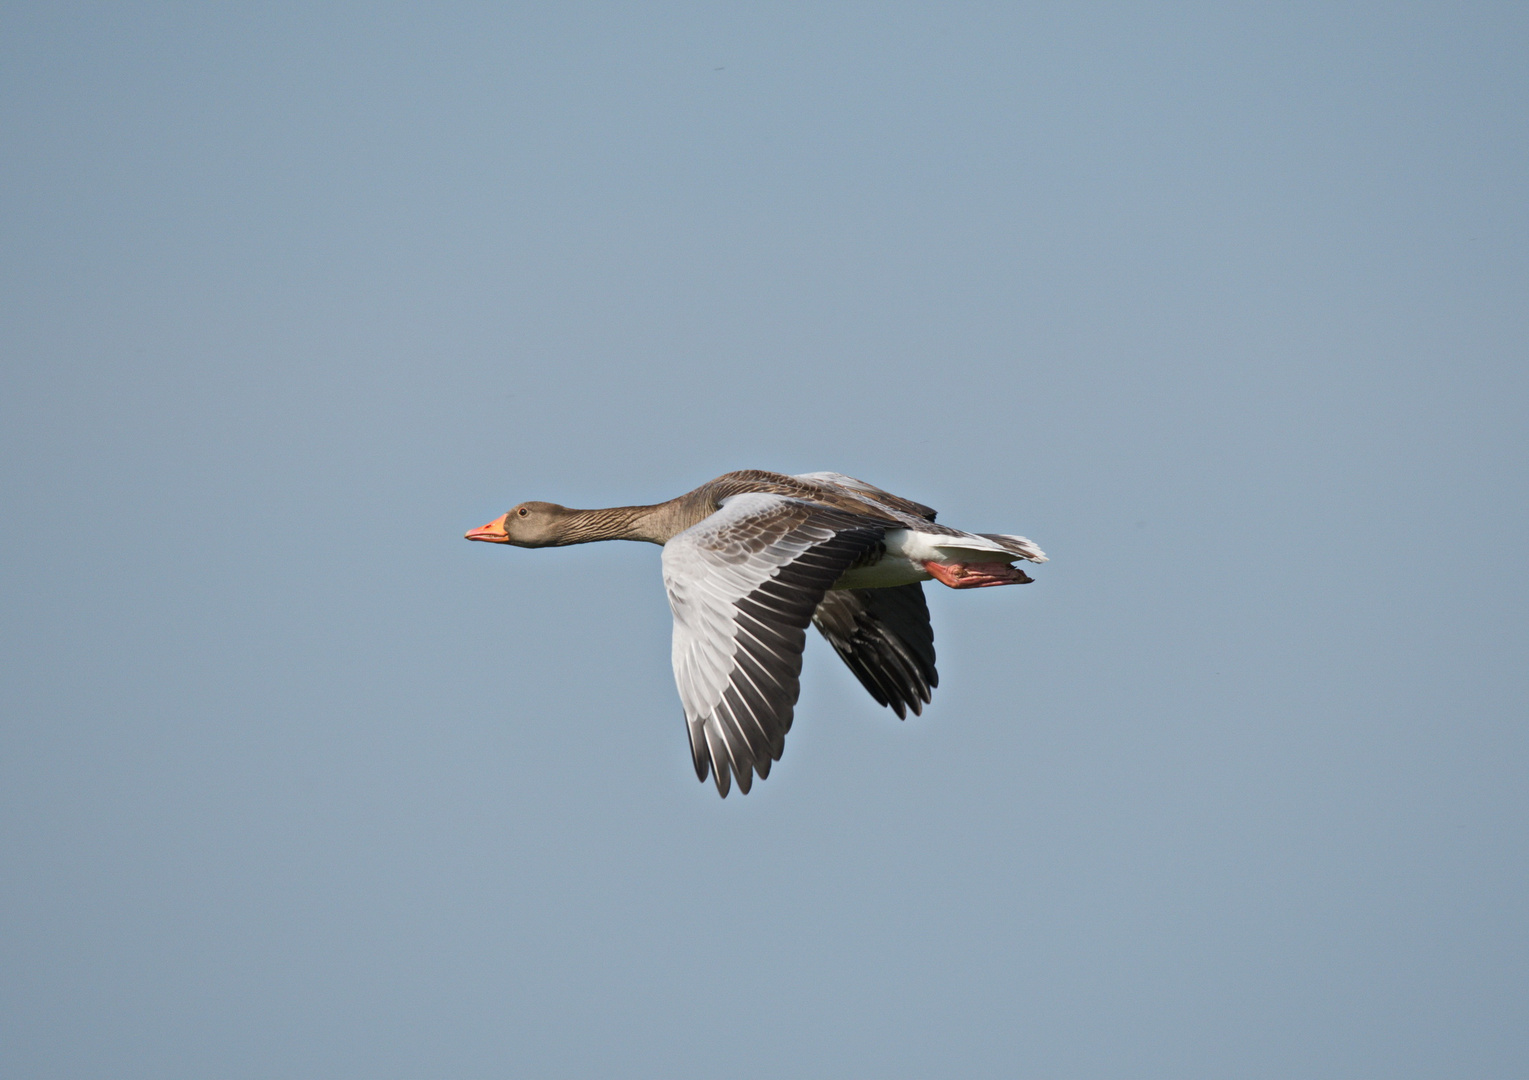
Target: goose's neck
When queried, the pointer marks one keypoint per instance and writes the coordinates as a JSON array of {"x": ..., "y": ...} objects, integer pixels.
[{"x": 653, "y": 524}]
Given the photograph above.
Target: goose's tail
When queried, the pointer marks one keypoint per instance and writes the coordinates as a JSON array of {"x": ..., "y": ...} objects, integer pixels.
[{"x": 1018, "y": 546}]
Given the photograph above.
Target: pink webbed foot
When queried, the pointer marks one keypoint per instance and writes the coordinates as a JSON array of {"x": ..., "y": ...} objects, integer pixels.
[{"x": 977, "y": 575}]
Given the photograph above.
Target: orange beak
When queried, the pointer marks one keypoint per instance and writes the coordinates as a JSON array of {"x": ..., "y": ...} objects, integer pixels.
[{"x": 494, "y": 532}]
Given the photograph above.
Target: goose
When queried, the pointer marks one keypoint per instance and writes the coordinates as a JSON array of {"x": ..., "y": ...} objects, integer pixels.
[{"x": 750, "y": 559}]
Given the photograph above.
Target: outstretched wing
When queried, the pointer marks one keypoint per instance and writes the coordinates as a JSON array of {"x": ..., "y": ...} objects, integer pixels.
[
  {"x": 885, "y": 637},
  {"x": 743, "y": 585}
]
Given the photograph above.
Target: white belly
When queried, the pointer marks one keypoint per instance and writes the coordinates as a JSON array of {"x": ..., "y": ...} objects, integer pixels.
[{"x": 889, "y": 571}]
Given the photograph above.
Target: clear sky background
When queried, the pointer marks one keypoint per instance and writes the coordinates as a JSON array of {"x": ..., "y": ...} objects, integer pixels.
[{"x": 1224, "y": 305}]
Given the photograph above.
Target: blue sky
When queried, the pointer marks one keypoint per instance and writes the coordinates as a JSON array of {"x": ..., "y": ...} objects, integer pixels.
[{"x": 1223, "y": 306}]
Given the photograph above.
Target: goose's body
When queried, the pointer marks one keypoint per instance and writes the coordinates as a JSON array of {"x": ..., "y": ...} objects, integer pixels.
[{"x": 750, "y": 559}]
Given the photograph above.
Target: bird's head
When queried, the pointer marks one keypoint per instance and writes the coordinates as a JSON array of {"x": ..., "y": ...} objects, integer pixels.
[{"x": 531, "y": 524}]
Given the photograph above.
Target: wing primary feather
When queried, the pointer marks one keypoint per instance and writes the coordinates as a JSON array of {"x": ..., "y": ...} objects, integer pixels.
[
  {"x": 720, "y": 761},
  {"x": 757, "y": 702},
  {"x": 700, "y": 753},
  {"x": 749, "y": 743}
]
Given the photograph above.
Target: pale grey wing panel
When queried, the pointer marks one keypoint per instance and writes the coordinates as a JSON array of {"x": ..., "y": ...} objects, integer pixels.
[
  {"x": 743, "y": 585},
  {"x": 885, "y": 638}
]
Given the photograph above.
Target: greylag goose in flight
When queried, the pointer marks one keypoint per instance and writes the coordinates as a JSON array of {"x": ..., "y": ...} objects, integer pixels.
[{"x": 750, "y": 559}]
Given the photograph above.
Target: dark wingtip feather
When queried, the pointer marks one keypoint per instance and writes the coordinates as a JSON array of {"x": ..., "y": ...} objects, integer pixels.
[
  {"x": 716, "y": 750},
  {"x": 700, "y": 756}
]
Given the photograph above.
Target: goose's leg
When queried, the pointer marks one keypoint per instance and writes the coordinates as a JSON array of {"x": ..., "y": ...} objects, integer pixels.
[{"x": 977, "y": 575}]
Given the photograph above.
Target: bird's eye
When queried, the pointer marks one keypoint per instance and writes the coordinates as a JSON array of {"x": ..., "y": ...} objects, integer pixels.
[{"x": 523, "y": 511}]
